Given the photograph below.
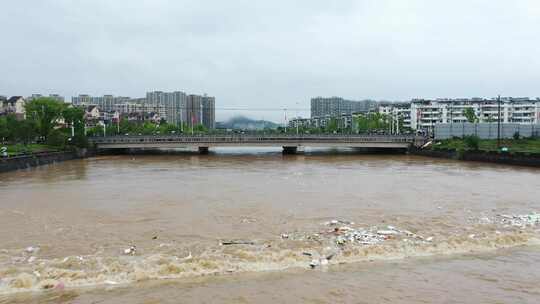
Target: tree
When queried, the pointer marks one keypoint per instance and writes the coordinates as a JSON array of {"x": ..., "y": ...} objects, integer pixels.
[
  {"x": 332, "y": 125},
  {"x": 148, "y": 128},
  {"x": 74, "y": 116},
  {"x": 25, "y": 131},
  {"x": 200, "y": 128},
  {"x": 57, "y": 138},
  {"x": 45, "y": 112},
  {"x": 4, "y": 131},
  {"x": 470, "y": 115}
]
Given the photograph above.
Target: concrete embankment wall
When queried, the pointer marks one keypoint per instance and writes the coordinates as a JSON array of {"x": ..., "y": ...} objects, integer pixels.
[
  {"x": 485, "y": 130},
  {"x": 520, "y": 159},
  {"x": 33, "y": 160}
]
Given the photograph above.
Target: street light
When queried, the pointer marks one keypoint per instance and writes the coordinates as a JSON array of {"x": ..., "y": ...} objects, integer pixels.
[
  {"x": 499, "y": 122},
  {"x": 285, "y": 114},
  {"x": 297, "y": 119}
]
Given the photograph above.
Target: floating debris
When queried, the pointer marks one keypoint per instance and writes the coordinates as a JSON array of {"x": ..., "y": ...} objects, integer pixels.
[
  {"x": 188, "y": 257},
  {"x": 32, "y": 249},
  {"x": 314, "y": 263},
  {"x": 342, "y": 234},
  {"x": 131, "y": 250},
  {"x": 387, "y": 232},
  {"x": 321, "y": 261},
  {"x": 522, "y": 221},
  {"x": 248, "y": 220},
  {"x": 336, "y": 222},
  {"x": 237, "y": 242}
]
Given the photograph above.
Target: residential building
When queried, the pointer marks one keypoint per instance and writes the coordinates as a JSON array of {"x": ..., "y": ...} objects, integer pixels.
[
  {"x": 105, "y": 102},
  {"x": 56, "y": 97},
  {"x": 13, "y": 105},
  {"x": 170, "y": 105},
  {"x": 92, "y": 115},
  {"x": 400, "y": 111},
  {"x": 193, "y": 110},
  {"x": 335, "y": 106},
  {"x": 425, "y": 114},
  {"x": 175, "y": 107},
  {"x": 208, "y": 104}
]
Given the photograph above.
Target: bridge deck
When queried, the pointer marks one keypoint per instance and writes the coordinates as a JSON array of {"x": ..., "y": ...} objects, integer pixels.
[{"x": 178, "y": 141}]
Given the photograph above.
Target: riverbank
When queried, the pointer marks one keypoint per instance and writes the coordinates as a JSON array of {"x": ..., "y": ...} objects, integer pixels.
[
  {"x": 507, "y": 158},
  {"x": 41, "y": 158}
]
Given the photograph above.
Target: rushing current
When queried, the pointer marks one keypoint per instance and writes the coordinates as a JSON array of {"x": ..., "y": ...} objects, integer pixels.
[{"x": 241, "y": 226}]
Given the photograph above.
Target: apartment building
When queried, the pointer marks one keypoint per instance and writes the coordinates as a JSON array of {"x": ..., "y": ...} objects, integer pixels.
[
  {"x": 425, "y": 114},
  {"x": 56, "y": 97},
  {"x": 400, "y": 111},
  {"x": 336, "y": 106}
]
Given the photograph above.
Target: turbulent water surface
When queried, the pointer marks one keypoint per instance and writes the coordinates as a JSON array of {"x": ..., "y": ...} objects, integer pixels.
[{"x": 312, "y": 228}]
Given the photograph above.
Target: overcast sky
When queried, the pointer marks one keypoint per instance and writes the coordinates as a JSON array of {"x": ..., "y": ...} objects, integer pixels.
[{"x": 271, "y": 54}]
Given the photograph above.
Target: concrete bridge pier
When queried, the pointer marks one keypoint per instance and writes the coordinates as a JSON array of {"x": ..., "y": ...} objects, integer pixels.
[
  {"x": 203, "y": 150},
  {"x": 290, "y": 150}
]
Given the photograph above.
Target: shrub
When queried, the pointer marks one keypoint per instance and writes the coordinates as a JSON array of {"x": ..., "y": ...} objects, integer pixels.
[
  {"x": 516, "y": 136},
  {"x": 57, "y": 138},
  {"x": 472, "y": 142},
  {"x": 80, "y": 141}
]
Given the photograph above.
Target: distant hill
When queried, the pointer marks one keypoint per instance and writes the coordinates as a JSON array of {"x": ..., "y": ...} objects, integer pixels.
[{"x": 244, "y": 123}]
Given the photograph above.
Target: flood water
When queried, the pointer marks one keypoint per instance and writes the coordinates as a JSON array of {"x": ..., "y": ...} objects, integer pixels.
[{"x": 440, "y": 234}]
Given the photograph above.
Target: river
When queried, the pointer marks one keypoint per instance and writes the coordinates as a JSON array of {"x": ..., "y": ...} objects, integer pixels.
[{"x": 392, "y": 228}]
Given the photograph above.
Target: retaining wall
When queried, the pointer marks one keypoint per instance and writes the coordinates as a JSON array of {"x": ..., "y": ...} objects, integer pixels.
[
  {"x": 38, "y": 159},
  {"x": 515, "y": 158}
]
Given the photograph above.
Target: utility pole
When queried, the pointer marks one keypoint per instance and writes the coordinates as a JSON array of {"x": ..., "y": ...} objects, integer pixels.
[
  {"x": 181, "y": 119},
  {"x": 285, "y": 115},
  {"x": 397, "y": 123},
  {"x": 201, "y": 121},
  {"x": 499, "y": 122}
]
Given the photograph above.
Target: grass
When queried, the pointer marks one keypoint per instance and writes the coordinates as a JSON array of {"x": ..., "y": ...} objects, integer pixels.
[
  {"x": 16, "y": 149},
  {"x": 513, "y": 145}
]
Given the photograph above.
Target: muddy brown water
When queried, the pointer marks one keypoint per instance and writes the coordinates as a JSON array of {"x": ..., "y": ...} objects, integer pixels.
[{"x": 176, "y": 209}]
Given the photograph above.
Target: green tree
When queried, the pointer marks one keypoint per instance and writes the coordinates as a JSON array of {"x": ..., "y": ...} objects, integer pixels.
[
  {"x": 57, "y": 138},
  {"x": 470, "y": 115},
  {"x": 74, "y": 116},
  {"x": 200, "y": 128},
  {"x": 25, "y": 131},
  {"x": 332, "y": 125},
  {"x": 45, "y": 112},
  {"x": 4, "y": 131},
  {"x": 148, "y": 128}
]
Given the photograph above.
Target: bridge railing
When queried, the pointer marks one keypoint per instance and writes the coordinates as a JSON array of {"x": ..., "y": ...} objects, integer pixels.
[{"x": 239, "y": 138}]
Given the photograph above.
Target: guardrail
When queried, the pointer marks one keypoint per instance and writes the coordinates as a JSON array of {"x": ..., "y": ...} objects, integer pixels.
[{"x": 253, "y": 138}]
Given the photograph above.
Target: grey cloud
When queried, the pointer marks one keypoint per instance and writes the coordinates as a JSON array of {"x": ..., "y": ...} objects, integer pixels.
[{"x": 264, "y": 54}]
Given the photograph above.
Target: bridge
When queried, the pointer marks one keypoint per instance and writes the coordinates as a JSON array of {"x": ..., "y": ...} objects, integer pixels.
[{"x": 290, "y": 143}]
